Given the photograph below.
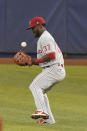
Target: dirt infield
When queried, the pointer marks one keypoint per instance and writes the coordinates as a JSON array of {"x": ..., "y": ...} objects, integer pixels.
[
  {"x": 75, "y": 61},
  {"x": 6, "y": 61},
  {"x": 67, "y": 61}
]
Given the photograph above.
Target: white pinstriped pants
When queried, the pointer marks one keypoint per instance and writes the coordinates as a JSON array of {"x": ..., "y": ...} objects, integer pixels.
[{"x": 42, "y": 83}]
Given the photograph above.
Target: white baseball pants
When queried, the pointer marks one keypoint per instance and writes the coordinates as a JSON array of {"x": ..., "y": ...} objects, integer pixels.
[{"x": 43, "y": 83}]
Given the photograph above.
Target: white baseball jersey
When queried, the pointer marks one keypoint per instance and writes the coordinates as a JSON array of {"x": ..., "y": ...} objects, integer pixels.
[{"x": 46, "y": 44}]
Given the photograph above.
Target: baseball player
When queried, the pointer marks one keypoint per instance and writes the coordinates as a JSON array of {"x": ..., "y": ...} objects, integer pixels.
[{"x": 50, "y": 58}]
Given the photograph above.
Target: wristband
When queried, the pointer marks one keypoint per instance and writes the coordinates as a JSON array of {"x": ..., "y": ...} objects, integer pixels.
[{"x": 37, "y": 61}]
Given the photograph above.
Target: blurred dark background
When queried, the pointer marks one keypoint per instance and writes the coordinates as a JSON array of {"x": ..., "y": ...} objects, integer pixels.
[{"x": 66, "y": 21}]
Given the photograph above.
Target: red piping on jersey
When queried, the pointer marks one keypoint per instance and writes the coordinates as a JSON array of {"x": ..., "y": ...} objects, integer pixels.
[{"x": 51, "y": 55}]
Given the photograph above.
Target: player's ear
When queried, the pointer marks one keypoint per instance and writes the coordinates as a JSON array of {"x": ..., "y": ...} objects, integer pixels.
[{"x": 41, "y": 26}]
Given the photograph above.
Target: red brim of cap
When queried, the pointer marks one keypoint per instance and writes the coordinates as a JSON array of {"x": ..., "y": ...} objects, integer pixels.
[{"x": 28, "y": 28}]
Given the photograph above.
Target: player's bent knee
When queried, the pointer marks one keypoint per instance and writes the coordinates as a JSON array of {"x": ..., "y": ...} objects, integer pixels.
[{"x": 33, "y": 86}]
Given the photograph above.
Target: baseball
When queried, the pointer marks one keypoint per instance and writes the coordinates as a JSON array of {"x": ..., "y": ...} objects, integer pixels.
[{"x": 23, "y": 44}]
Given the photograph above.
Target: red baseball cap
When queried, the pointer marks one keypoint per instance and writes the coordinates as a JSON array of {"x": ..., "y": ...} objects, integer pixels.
[{"x": 35, "y": 21}]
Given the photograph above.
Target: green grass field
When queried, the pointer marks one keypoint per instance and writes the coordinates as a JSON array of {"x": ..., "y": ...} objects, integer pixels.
[{"x": 68, "y": 99}]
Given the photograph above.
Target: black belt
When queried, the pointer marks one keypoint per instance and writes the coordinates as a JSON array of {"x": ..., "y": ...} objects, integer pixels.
[{"x": 51, "y": 65}]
